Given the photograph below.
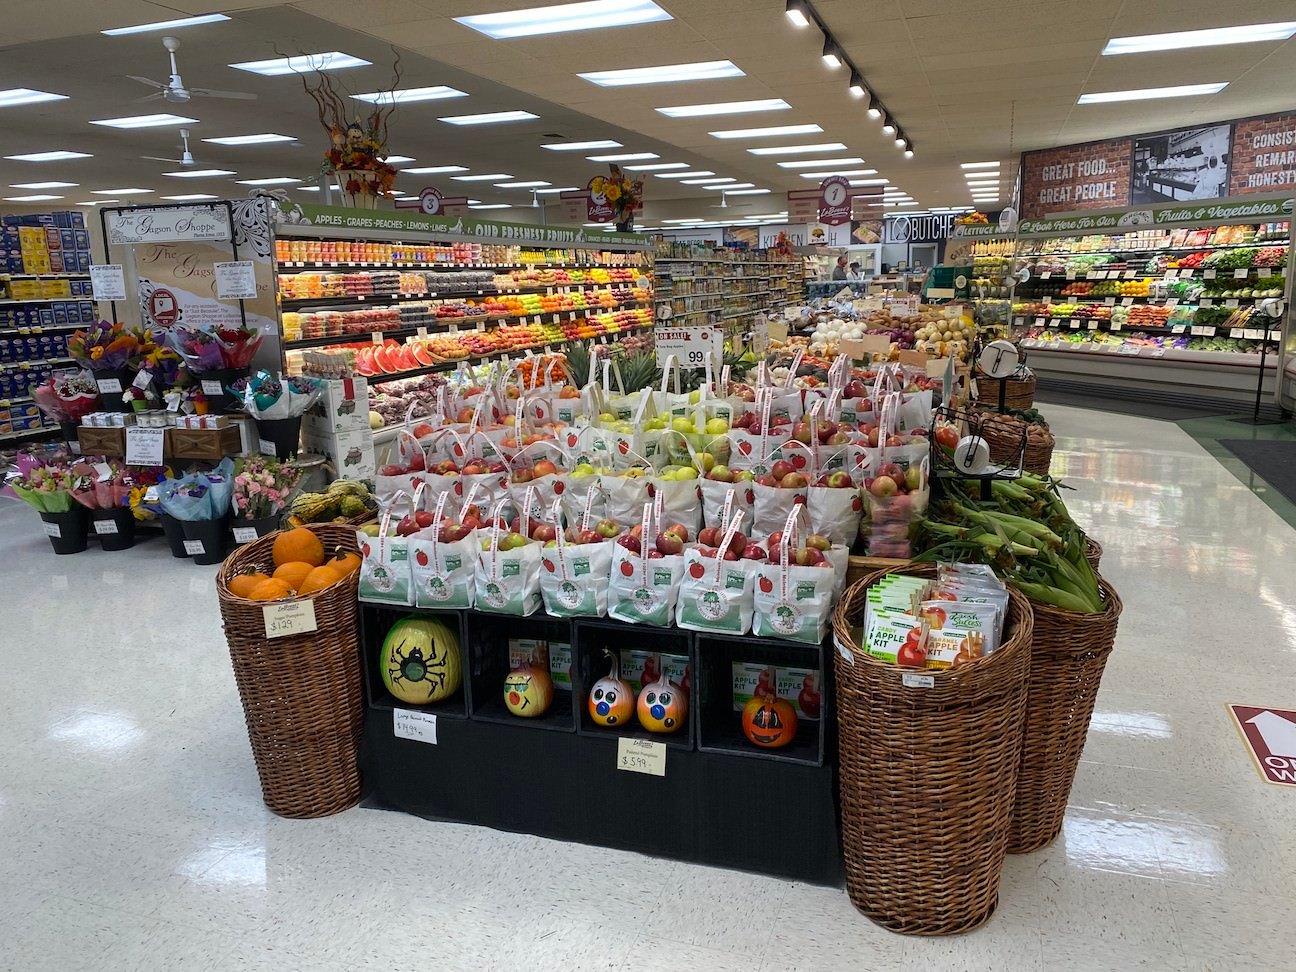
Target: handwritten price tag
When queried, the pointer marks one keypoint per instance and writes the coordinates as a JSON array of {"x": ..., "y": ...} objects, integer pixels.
[
  {"x": 265, "y": 447},
  {"x": 53, "y": 530},
  {"x": 418, "y": 726},
  {"x": 244, "y": 534},
  {"x": 641, "y": 756},
  {"x": 1207, "y": 302},
  {"x": 1046, "y": 274},
  {"x": 1241, "y": 273},
  {"x": 210, "y": 387},
  {"x": 289, "y": 618},
  {"x": 1109, "y": 301},
  {"x": 105, "y": 527},
  {"x": 1127, "y": 301},
  {"x": 108, "y": 386},
  {"x": 194, "y": 548},
  {"x": 1208, "y": 274}
]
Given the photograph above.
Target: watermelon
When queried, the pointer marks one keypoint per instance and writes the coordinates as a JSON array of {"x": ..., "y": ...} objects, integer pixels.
[
  {"x": 364, "y": 363},
  {"x": 407, "y": 359},
  {"x": 420, "y": 661},
  {"x": 422, "y": 355},
  {"x": 382, "y": 358}
]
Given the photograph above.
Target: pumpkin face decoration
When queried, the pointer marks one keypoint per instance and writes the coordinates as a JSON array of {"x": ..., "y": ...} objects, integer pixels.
[
  {"x": 528, "y": 690},
  {"x": 663, "y": 706},
  {"x": 420, "y": 661},
  {"x": 611, "y": 700},
  {"x": 768, "y": 721}
]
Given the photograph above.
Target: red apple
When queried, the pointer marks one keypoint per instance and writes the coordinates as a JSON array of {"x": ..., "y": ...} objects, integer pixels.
[
  {"x": 544, "y": 532},
  {"x": 794, "y": 480},
  {"x": 738, "y": 542},
  {"x": 630, "y": 542},
  {"x": 680, "y": 530},
  {"x": 801, "y": 432},
  {"x": 753, "y": 552},
  {"x": 893, "y": 470},
  {"x": 883, "y": 486},
  {"x": 668, "y": 543},
  {"x": 826, "y": 431},
  {"x": 781, "y": 468},
  {"x": 451, "y": 532},
  {"x": 709, "y": 536},
  {"x": 417, "y": 463},
  {"x": 840, "y": 479},
  {"x": 607, "y": 528},
  {"x": 775, "y": 539},
  {"x": 589, "y": 536}
]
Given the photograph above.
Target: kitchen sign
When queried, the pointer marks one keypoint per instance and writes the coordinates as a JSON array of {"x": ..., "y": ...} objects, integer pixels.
[
  {"x": 184, "y": 223},
  {"x": 835, "y": 201}
]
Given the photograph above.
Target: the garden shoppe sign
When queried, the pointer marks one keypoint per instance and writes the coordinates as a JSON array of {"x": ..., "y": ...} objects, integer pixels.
[
  {"x": 458, "y": 227},
  {"x": 171, "y": 225}
]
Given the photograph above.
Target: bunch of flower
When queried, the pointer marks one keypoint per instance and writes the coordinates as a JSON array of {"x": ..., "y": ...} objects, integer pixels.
[
  {"x": 269, "y": 397},
  {"x": 101, "y": 494},
  {"x": 358, "y": 151},
  {"x": 624, "y": 195},
  {"x": 263, "y": 486},
  {"x": 160, "y": 361},
  {"x": 211, "y": 350},
  {"x": 47, "y": 487},
  {"x": 142, "y": 479},
  {"x": 65, "y": 398},
  {"x": 106, "y": 347}
]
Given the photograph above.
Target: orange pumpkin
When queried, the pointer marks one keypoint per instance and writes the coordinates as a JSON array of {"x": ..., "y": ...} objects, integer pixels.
[
  {"x": 318, "y": 579},
  {"x": 663, "y": 705},
  {"x": 241, "y": 585},
  {"x": 298, "y": 545},
  {"x": 769, "y": 722},
  {"x": 293, "y": 573},
  {"x": 271, "y": 589},
  {"x": 345, "y": 563},
  {"x": 611, "y": 700}
]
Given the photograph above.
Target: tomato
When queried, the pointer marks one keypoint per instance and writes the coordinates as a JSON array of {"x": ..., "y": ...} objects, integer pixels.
[{"x": 946, "y": 438}]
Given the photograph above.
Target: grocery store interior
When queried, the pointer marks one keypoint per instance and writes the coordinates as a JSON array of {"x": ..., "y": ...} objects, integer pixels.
[{"x": 509, "y": 467}]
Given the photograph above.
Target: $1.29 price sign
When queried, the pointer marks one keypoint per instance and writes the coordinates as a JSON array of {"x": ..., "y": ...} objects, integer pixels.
[
  {"x": 690, "y": 346},
  {"x": 289, "y": 618},
  {"x": 641, "y": 756}
]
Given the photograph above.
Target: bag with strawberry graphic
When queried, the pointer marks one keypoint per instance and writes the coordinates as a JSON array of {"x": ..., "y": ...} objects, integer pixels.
[
  {"x": 507, "y": 577},
  {"x": 574, "y": 576},
  {"x": 643, "y": 589},
  {"x": 384, "y": 569},
  {"x": 790, "y": 600},
  {"x": 716, "y": 594},
  {"x": 442, "y": 571}
]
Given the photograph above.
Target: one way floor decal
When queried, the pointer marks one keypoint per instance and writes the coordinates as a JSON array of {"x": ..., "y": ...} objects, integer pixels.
[{"x": 1270, "y": 734}]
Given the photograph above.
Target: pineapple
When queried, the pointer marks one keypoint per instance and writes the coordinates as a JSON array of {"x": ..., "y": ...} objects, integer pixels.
[{"x": 578, "y": 358}]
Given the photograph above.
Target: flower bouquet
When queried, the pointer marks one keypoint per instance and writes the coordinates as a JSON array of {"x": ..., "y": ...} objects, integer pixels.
[
  {"x": 201, "y": 502},
  {"x": 103, "y": 488},
  {"x": 111, "y": 351},
  {"x": 66, "y": 399},
  {"x": 48, "y": 490},
  {"x": 277, "y": 404},
  {"x": 217, "y": 357},
  {"x": 623, "y": 194},
  {"x": 263, "y": 488}
]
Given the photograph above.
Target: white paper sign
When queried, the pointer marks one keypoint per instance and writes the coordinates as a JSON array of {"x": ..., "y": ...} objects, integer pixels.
[
  {"x": 690, "y": 346},
  {"x": 103, "y": 527},
  {"x": 52, "y": 530},
  {"x": 194, "y": 548},
  {"x": 641, "y": 756},
  {"x": 144, "y": 447},
  {"x": 244, "y": 534},
  {"x": 265, "y": 447},
  {"x": 914, "y": 680},
  {"x": 109, "y": 386},
  {"x": 210, "y": 387},
  {"x": 107, "y": 281},
  {"x": 129, "y": 226},
  {"x": 418, "y": 726},
  {"x": 289, "y": 618},
  {"x": 142, "y": 379}
]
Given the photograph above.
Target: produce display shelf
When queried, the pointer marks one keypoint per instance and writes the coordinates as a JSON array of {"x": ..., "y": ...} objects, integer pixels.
[
  {"x": 440, "y": 326},
  {"x": 340, "y": 265},
  {"x": 733, "y": 263},
  {"x": 1171, "y": 273},
  {"x": 1178, "y": 301},
  {"x": 1277, "y": 241},
  {"x": 1228, "y": 359},
  {"x": 1196, "y": 330}
]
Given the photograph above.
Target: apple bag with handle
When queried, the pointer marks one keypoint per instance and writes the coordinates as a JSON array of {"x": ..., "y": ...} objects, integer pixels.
[
  {"x": 715, "y": 593},
  {"x": 574, "y": 576},
  {"x": 506, "y": 581},
  {"x": 384, "y": 567},
  {"x": 792, "y": 601},
  {"x": 442, "y": 570},
  {"x": 642, "y": 589}
]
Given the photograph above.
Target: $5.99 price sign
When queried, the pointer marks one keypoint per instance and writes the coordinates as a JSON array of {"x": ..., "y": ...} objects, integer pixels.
[
  {"x": 690, "y": 346},
  {"x": 641, "y": 756}
]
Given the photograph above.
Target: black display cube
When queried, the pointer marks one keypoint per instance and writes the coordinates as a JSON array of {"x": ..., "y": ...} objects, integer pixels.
[
  {"x": 487, "y": 641},
  {"x": 377, "y": 619}
]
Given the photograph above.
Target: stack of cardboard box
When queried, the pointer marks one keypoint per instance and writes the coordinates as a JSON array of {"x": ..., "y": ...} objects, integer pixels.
[{"x": 337, "y": 426}]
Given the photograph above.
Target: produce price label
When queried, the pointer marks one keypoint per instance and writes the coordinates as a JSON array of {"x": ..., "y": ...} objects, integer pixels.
[
  {"x": 1109, "y": 301},
  {"x": 1075, "y": 325},
  {"x": 1131, "y": 274},
  {"x": 1046, "y": 274},
  {"x": 1240, "y": 273},
  {"x": 144, "y": 447},
  {"x": 1071, "y": 275},
  {"x": 1208, "y": 274},
  {"x": 1252, "y": 333},
  {"x": 689, "y": 346},
  {"x": 1203, "y": 330},
  {"x": 914, "y": 680},
  {"x": 104, "y": 527},
  {"x": 1093, "y": 325},
  {"x": 108, "y": 386},
  {"x": 244, "y": 534},
  {"x": 1207, "y": 302},
  {"x": 52, "y": 530},
  {"x": 1130, "y": 349},
  {"x": 1116, "y": 325},
  {"x": 1237, "y": 332},
  {"x": 641, "y": 756},
  {"x": 418, "y": 726},
  {"x": 1231, "y": 302},
  {"x": 291, "y": 618},
  {"x": 265, "y": 447},
  {"x": 1048, "y": 300},
  {"x": 1156, "y": 352},
  {"x": 194, "y": 548},
  {"x": 1264, "y": 271},
  {"x": 1039, "y": 322},
  {"x": 1127, "y": 301},
  {"x": 210, "y": 387}
]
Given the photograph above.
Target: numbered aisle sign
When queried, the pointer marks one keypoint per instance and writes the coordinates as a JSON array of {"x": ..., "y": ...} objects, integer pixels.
[{"x": 689, "y": 345}]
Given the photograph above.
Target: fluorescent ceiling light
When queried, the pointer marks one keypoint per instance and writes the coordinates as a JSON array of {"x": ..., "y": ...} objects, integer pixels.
[
  {"x": 302, "y": 63},
  {"x": 686, "y": 182},
  {"x": 166, "y": 25},
  {"x": 59, "y": 156},
  {"x": 725, "y": 108},
  {"x": 145, "y": 121},
  {"x": 857, "y": 88},
  {"x": 1211, "y": 37},
  {"x": 978, "y": 165},
  {"x": 489, "y": 118},
  {"x": 489, "y": 177},
  {"x": 736, "y": 185},
  {"x": 98, "y": 202},
  {"x": 406, "y": 96},
  {"x": 558, "y": 189},
  {"x": 261, "y": 139},
  {"x": 272, "y": 181},
  {"x": 767, "y": 132},
  {"x": 120, "y": 192},
  {"x": 839, "y": 172},
  {"x": 521, "y": 185},
  {"x": 747, "y": 192},
  {"x": 869, "y": 182},
  {"x": 693, "y": 219},
  {"x": 564, "y": 17},
  {"x": 697, "y": 71},
  {"x": 626, "y": 157},
  {"x": 42, "y": 185},
  {"x": 407, "y": 198},
  {"x": 656, "y": 167},
  {"x": 1145, "y": 94},
  {"x": 798, "y": 149},
  {"x": 26, "y": 96},
  {"x": 474, "y": 202},
  {"x": 191, "y": 197},
  {"x": 580, "y": 146},
  {"x": 307, "y": 189},
  {"x": 981, "y": 175},
  {"x": 811, "y": 163},
  {"x": 694, "y": 174},
  {"x": 199, "y": 173},
  {"x": 36, "y": 198},
  {"x": 432, "y": 169},
  {"x": 982, "y": 183},
  {"x": 490, "y": 206}
]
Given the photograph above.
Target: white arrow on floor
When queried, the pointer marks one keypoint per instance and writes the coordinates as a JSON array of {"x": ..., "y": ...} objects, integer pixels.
[{"x": 1279, "y": 735}]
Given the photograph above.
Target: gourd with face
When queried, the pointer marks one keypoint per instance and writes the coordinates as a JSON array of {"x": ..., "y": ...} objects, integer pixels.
[
  {"x": 768, "y": 721},
  {"x": 663, "y": 705},
  {"x": 611, "y": 700},
  {"x": 528, "y": 690}
]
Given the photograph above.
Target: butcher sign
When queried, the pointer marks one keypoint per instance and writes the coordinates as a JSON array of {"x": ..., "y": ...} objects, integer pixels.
[{"x": 1271, "y": 736}]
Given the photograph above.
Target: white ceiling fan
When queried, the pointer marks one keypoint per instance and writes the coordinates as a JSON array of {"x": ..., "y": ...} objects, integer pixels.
[
  {"x": 175, "y": 90},
  {"x": 186, "y": 157}
]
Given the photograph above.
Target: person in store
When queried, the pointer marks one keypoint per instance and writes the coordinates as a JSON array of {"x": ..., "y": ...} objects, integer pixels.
[
  {"x": 854, "y": 272},
  {"x": 839, "y": 271}
]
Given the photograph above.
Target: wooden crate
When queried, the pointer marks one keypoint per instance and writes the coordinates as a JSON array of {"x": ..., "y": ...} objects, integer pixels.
[
  {"x": 859, "y": 567},
  {"x": 101, "y": 441},
  {"x": 211, "y": 445}
]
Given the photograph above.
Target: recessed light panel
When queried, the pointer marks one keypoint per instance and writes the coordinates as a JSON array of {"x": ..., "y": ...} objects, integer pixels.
[
  {"x": 656, "y": 167},
  {"x": 397, "y": 159},
  {"x": 1147, "y": 94},
  {"x": 145, "y": 121},
  {"x": 303, "y": 63},
  {"x": 625, "y": 157},
  {"x": 489, "y": 118},
  {"x": 837, "y": 172},
  {"x": 261, "y": 139},
  {"x": 520, "y": 185},
  {"x": 707, "y": 182},
  {"x": 557, "y": 189},
  {"x": 191, "y": 197},
  {"x": 482, "y": 178},
  {"x": 747, "y": 192},
  {"x": 564, "y": 17},
  {"x": 405, "y": 96},
  {"x": 581, "y": 146},
  {"x": 11, "y": 97},
  {"x": 697, "y": 71},
  {"x": 798, "y": 149},
  {"x": 35, "y": 198},
  {"x": 434, "y": 169},
  {"x": 198, "y": 173},
  {"x": 166, "y": 25},
  {"x": 490, "y": 206},
  {"x": 1212, "y": 37},
  {"x": 978, "y": 165},
  {"x": 41, "y": 185},
  {"x": 767, "y": 132},
  {"x": 736, "y": 185},
  {"x": 272, "y": 181},
  {"x": 812, "y": 163},
  {"x": 59, "y": 156},
  {"x": 725, "y": 108},
  {"x": 685, "y": 175},
  {"x": 120, "y": 192}
]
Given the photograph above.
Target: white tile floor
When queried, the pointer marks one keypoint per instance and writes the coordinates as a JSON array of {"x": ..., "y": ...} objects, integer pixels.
[{"x": 132, "y": 836}]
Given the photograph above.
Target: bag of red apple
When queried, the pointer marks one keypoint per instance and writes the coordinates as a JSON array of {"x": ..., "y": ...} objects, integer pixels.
[
  {"x": 443, "y": 561},
  {"x": 574, "y": 575},
  {"x": 783, "y": 489},
  {"x": 754, "y": 442},
  {"x": 832, "y": 498},
  {"x": 506, "y": 578},
  {"x": 397, "y": 480},
  {"x": 539, "y": 476},
  {"x": 486, "y": 478},
  {"x": 790, "y": 599},
  {"x": 643, "y": 584},
  {"x": 730, "y": 493},
  {"x": 892, "y": 502},
  {"x": 716, "y": 589},
  {"x": 838, "y": 373},
  {"x": 787, "y": 404},
  {"x": 384, "y": 566}
]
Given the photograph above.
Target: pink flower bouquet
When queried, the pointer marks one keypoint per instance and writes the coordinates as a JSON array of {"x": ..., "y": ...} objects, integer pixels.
[{"x": 263, "y": 487}]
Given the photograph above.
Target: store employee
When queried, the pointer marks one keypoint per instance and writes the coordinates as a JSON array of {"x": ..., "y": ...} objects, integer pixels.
[{"x": 839, "y": 271}]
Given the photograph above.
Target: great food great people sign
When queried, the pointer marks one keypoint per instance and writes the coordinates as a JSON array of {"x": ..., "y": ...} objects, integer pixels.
[{"x": 185, "y": 223}]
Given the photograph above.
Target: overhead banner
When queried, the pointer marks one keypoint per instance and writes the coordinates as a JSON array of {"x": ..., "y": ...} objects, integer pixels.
[
  {"x": 835, "y": 201},
  {"x": 1165, "y": 215},
  {"x": 1207, "y": 161},
  {"x": 182, "y": 224}
]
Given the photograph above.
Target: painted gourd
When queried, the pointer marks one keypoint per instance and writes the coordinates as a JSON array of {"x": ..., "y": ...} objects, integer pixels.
[
  {"x": 420, "y": 661},
  {"x": 768, "y": 721},
  {"x": 663, "y": 705},
  {"x": 528, "y": 690},
  {"x": 611, "y": 700}
]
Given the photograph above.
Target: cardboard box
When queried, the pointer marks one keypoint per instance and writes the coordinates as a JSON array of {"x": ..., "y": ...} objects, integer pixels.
[
  {"x": 343, "y": 406},
  {"x": 352, "y": 453}
]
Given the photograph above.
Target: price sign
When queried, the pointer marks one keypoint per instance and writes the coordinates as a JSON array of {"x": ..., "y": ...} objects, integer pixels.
[
  {"x": 1237, "y": 332},
  {"x": 53, "y": 530},
  {"x": 1208, "y": 274},
  {"x": 1264, "y": 271},
  {"x": 690, "y": 346},
  {"x": 144, "y": 447},
  {"x": 418, "y": 726},
  {"x": 289, "y": 618},
  {"x": 1071, "y": 275},
  {"x": 1048, "y": 300},
  {"x": 1158, "y": 352},
  {"x": 1178, "y": 328},
  {"x": 1075, "y": 325},
  {"x": 109, "y": 386},
  {"x": 914, "y": 680},
  {"x": 103, "y": 471},
  {"x": 107, "y": 282},
  {"x": 1131, "y": 349},
  {"x": 1097, "y": 275},
  {"x": 376, "y": 337},
  {"x": 235, "y": 280},
  {"x": 1172, "y": 302},
  {"x": 210, "y": 387},
  {"x": 1019, "y": 322},
  {"x": 1127, "y": 301},
  {"x": 105, "y": 527},
  {"x": 1046, "y": 274},
  {"x": 244, "y": 534},
  {"x": 1054, "y": 322},
  {"x": 1093, "y": 325},
  {"x": 1109, "y": 301},
  {"x": 142, "y": 380},
  {"x": 1240, "y": 274},
  {"x": 1186, "y": 273},
  {"x": 1040, "y": 322},
  {"x": 1131, "y": 274},
  {"x": 641, "y": 756},
  {"x": 194, "y": 548},
  {"x": 1207, "y": 302},
  {"x": 1203, "y": 330},
  {"x": 1253, "y": 333},
  {"x": 265, "y": 447},
  {"x": 1116, "y": 325},
  {"x": 1231, "y": 302}
]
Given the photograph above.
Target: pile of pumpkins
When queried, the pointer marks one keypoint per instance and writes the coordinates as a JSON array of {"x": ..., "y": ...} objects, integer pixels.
[{"x": 299, "y": 568}]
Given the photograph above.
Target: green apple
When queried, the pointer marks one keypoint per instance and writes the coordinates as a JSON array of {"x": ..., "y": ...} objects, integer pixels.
[
  {"x": 695, "y": 397},
  {"x": 716, "y": 426},
  {"x": 583, "y": 469},
  {"x": 707, "y": 460},
  {"x": 607, "y": 417},
  {"x": 683, "y": 424},
  {"x": 746, "y": 474},
  {"x": 686, "y": 472}
]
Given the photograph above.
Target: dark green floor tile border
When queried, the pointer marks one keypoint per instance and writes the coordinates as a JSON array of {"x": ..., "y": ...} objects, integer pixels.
[{"x": 1207, "y": 433}]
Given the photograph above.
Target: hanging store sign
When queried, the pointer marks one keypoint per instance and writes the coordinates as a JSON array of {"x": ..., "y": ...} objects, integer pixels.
[
  {"x": 1166, "y": 214},
  {"x": 930, "y": 228},
  {"x": 182, "y": 224},
  {"x": 597, "y": 207},
  {"x": 835, "y": 201}
]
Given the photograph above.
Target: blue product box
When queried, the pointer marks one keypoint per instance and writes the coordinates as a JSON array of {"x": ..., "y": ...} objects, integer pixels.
[
  {"x": 6, "y": 350},
  {"x": 61, "y": 313},
  {"x": 67, "y": 239},
  {"x": 87, "y": 312},
  {"x": 45, "y": 318},
  {"x": 78, "y": 219},
  {"x": 81, "y": 240}
]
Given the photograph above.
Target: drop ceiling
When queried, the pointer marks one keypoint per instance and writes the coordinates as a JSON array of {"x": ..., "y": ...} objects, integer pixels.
[{"x": 980, "y": 80}]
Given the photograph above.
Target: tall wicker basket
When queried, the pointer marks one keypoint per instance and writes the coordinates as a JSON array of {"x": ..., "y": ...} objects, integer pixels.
[
  {"x": 1093, "y": 552},
  {"x": 301, "y": 694},
  {"x": 1068, "y": 654},
  {"x": 926, "y": 776},
  {"x": 1019, "y": 394}
]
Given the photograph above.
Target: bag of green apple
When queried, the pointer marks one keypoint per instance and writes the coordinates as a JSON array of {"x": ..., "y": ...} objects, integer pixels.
[
  {"x": 384, "y": 566},
  {"x": 716, "y": 594},
  {"x": 443, "y": 560},
  {"x": 582, "y": 494},
  {"x": 676, "y": 488},
  {"x": 791, "y": 600},
  {"x": 574, "y": 575},
  {"x": 506, "y": 579},
  {"x": 643, "y": 589}
]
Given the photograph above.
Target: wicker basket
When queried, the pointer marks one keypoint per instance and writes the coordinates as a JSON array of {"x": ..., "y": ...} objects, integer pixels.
[
  {"x": 1093, "y": 552},
  {"x": 1005, "y": 439},
  {"x": 1020, "y": 393},
  {"x": 926, "y": 776},
  {"x": 305, "y": 732},
  {"x": 1068, "y": 653}
]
